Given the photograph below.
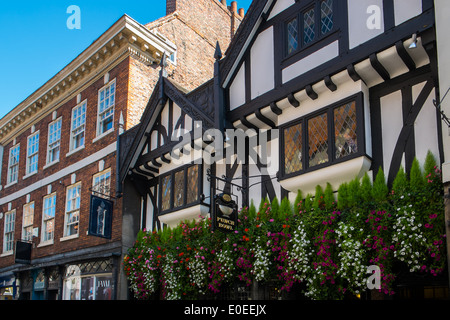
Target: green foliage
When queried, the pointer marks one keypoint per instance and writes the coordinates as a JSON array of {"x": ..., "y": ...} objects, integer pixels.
[
  {"x": 323, "y": 244},
  {"x": 380, "y": 188}
]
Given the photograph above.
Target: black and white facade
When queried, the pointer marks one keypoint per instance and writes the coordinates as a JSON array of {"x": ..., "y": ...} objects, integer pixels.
[{"x": 325, "y": 90}]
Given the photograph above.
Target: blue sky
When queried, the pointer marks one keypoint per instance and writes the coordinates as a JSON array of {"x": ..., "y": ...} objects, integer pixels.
[{"x": 37, "y": 44}]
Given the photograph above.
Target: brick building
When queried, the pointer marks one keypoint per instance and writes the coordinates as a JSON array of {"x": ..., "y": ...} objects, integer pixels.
[{"x": 58, "y": 148}]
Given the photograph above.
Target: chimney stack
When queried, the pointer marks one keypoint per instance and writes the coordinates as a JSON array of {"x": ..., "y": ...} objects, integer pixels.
[
  {"x": 233, "y": 7},
  {"x": 224, "y": 2},
  {"x": 241, "y": 12}
]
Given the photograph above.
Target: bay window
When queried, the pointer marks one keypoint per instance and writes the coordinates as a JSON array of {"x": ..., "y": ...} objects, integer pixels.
[
  {"x": 328, "y": 136},
  {"x": 180, "y": 188}
]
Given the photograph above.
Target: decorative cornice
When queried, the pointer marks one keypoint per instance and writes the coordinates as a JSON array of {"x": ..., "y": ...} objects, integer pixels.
[{"x": 125, "y": 37}]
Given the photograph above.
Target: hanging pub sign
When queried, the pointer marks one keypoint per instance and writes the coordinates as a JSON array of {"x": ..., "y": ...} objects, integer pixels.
[
  {"x": 100, "y": 217},
  {"x": 225, "y": 213}
]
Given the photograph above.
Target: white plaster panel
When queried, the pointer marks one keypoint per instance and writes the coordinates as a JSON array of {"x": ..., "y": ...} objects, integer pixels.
[
  {"x": 237, "y": 89},
  {"x": 358, "y": 17},
  {"x": 406, "y": 9},
  {"x": 262, "y": 64},
  {"x": 310, "y": 62},
  {"x": 391, "y": 125},
  {"x": 425, "y": 128},
  {"x": 280, "y": 6}
]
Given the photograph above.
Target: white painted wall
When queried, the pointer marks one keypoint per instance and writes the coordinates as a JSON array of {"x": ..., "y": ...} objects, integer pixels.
[
  {"x": 358, "y": 17},
  {"x": 262, "y": 64},
  {"x": 425, "y": 132},
  {"x": 237, "y": 89},
  {"x": 442, "y": 12},
  {"x": 406, "y": 9},
  {"x": 310, "y": 62},
  {"x": 391, "y": 125},
  {"x": 280, "y": 6}
]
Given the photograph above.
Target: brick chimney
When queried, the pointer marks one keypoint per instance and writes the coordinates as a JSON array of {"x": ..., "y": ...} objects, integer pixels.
[{"x": 171, "y": 6}]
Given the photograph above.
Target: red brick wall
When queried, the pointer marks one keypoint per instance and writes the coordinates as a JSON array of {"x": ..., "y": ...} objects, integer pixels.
[
  {"x": 195, "y": 29},
  {"x": 120, "y": 73}
]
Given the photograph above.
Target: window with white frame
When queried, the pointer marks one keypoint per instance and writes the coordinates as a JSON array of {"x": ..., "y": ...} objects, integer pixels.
[
  {"x": 72, "y": 210},
  {"x": 8, "y": 234},
  {"x": 101, "y": 183},
  {"x": 13, "y": 165},
  {"x": 32, "y": 153},
  {"x": 48, "y": 218},
  {"x": 78, "y": 126},
  {"x": 27, "y": 222},
  {"x": 54, "y": 141},
  {"x": 106, "y": 103}
]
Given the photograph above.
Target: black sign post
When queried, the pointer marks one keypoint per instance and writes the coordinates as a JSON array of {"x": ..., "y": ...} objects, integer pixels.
[
  {"x": 100, "y": 217},
  {"x": 225, "y": 213}
]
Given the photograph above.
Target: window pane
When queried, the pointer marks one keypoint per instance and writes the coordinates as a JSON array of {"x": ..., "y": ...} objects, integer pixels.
[
  {"x": 292, "y": 36},
  {"x": 308, "y": 26},
  {"x": 326, "y": 12},
  {"x": 318, "y": 140},
  {"x": 293, "y": 149},
  {"x": 178, "y": 200},
  {"x": 345, "y": 130},
  {"x": 166, "y": 192},
  {"x": 192, "y": 184}
]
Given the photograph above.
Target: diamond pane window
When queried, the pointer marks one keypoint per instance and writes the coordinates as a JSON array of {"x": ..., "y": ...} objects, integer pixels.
[
  {"x": 178, "y": 192},
  {"x": 292, "y": 35},
  {"x": 166, "y": 186},
  {"x": 318, "y": 140},
  {"x": 345, "y": 130},
  {"x": 326, "y": 13},
  {"x": 308, "y": 26},
  {"x": 192, "y": 187},
  {"x": 293, "y": 149}
]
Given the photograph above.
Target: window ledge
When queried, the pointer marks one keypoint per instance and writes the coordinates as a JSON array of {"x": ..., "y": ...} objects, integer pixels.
[
  {"x": 48, "y": 165},
  {"x": 104, "y": 134},
  {"x": 8, "y": 253},
  {"x": 45, "y": 243},
  {"x": 65, "y": 238},
  {"x": 191, "y": 213},
  {"x": 29, "y": 175},
  {"x": 74, "y": 150},
  {"x": 10, "y": 184},
  {"x": 334, "y": 174}
]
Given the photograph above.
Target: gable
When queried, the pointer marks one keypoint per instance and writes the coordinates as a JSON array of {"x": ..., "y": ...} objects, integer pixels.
[{"x": 171, "y": 112}]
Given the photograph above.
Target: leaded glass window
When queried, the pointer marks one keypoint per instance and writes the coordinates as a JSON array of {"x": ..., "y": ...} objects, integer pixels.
[
  {"x": 345, "y": 130},
  {"x": 324, "y": 138},
  {"x": 293, "y": 149},
  {"x": 314, "y": 22},
  {"x": 292, "y": 35},
  {"x": 178, "y": 200},
  {"x": 318, "y": 140},
  {"x": 192, "y": 187},
  {"x": 309, "y": 26},
  {"x": 166, "y": 191},
  {"x": 186, "y": 186},
  {"x": 326, "y": 13}
]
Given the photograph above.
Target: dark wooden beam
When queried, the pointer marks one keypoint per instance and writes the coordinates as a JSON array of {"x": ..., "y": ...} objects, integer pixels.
[
  {"x": 379, "y": 68},
  {"x": 311, "y": 93},
  {"x": 330, "y": 84}
]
